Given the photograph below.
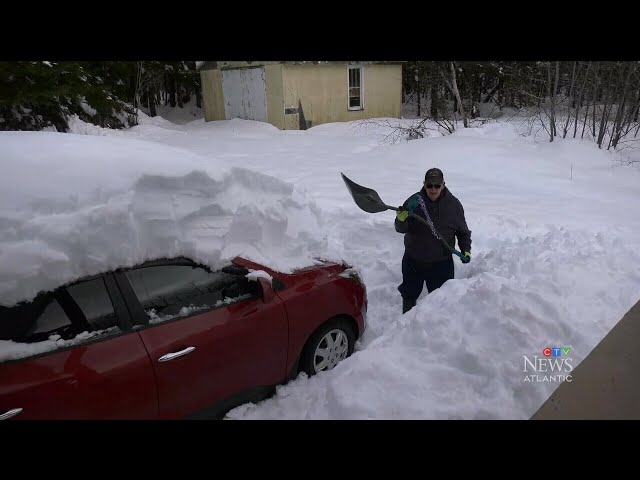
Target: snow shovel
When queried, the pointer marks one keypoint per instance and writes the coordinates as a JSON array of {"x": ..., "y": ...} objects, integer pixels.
[{"x": 369, "y": 201}]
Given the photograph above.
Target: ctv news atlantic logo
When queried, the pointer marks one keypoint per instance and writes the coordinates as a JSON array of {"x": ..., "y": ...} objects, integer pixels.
[{"x": 555, "y": 365}]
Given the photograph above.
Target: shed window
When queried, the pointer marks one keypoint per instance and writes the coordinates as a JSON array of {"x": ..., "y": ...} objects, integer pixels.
[{"x": 355, "y": 88}]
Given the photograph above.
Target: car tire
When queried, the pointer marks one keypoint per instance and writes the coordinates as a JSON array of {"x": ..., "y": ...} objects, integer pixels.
[{"x": 335, "y": 339}]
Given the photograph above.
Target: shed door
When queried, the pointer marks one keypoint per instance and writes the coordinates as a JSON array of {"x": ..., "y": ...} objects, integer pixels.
[{"x": 245, "y": 94}]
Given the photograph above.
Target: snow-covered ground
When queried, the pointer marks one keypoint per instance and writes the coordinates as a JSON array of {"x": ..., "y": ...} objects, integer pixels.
[
  {"x": 555, "y": 254},
  {"x": 180, "y": 116}
]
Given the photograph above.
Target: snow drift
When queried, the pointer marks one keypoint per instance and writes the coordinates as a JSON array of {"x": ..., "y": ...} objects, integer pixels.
[{"x": 74, "y": 205}]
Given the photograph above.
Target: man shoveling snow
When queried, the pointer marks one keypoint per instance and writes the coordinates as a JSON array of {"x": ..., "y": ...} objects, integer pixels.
[{"x": 426, "y": 259}]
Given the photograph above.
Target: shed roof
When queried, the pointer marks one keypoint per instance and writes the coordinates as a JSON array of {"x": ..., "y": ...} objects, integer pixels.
[{"x": 238, "y": 64}]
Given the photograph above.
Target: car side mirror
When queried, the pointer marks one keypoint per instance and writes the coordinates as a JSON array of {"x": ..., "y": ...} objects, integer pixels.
[{"x": 266, "y": 290}]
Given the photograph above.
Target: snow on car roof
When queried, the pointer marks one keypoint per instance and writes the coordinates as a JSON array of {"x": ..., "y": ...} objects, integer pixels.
[{"x": 76, "y": 205}]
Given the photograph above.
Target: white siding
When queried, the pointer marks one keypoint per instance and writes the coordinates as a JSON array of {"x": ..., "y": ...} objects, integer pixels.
[{"x": 245, "y": 94}]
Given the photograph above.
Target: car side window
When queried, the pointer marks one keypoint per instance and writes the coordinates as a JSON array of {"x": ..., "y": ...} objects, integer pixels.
[
  {"x": 82, "y": 307},
  {"x": 93, "y": 299},
  {"x": 52, "y": 321},
  {"x": 170, "y": 291},
  {"x": 33, "y": 321}
]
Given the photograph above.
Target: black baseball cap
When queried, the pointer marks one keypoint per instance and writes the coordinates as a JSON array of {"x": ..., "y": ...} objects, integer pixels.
[{"x": 434, "y": 175}]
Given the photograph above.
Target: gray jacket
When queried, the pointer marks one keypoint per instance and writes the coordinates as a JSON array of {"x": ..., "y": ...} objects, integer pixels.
[{"x": 447, "y": 215}]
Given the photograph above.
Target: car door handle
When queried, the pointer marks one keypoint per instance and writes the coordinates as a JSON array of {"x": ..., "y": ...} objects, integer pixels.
[
  {"x": 171, "y": 356},
  {"x": 10, "y": 413}
]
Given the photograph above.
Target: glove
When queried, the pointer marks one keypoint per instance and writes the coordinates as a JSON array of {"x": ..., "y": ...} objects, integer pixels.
[
  {"x": 466, "y": 258},
  {"x": 402, "y": 215}
]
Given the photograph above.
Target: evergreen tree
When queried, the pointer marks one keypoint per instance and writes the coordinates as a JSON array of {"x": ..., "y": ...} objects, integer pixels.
[{"x": 38, "y": 95}]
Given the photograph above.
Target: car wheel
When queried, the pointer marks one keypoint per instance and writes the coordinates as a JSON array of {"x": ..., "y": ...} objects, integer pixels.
[{"x": 329, "y": 345}]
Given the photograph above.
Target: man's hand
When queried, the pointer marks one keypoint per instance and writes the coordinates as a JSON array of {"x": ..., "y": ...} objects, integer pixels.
[
  {"x": 402, "y": 215},
  {"x": 466, "y": 258}
]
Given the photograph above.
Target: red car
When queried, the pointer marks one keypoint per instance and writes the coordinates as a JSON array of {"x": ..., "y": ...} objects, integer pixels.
[{"x": 171, "y": 339}]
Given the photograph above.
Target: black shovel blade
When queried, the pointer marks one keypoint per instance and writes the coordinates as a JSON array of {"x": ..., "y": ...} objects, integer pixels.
[{"x": 366, "y": 198}]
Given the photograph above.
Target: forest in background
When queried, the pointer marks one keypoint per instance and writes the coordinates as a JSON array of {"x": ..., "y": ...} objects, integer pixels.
[
  {"x": 41, "y": 95},
  {"x": 580, "y": 99}
]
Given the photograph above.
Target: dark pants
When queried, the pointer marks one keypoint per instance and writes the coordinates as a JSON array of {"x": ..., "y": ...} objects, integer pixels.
[{"x": 415, "y": 276}]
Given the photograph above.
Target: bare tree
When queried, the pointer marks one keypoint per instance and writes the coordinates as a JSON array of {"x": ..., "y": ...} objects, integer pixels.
[
  {"x": 595, "y": 99},
  {"x": 581, "y": 98},
  {"x": 453, "y": 87},
  {"x": 434, "y": 101},
  {"x": 572, "y": 101},
  {"x": 621, "y": 119},
  {"x": 493, "y": 91},
  {"x": 552, "y": 89},
  {"x": 398, "y": 131},
  {"x": 137, "y": 90},
  {"x": 149, "y": 82},
  {"x": 447, "y": 124},
  {"x": 607, "y": 96}
]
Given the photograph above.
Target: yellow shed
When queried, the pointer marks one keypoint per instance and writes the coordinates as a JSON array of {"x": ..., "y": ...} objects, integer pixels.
[{"x": 299, "y": 95}]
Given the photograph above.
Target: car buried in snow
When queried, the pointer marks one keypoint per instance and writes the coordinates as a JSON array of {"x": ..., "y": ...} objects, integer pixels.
[{"x": 173, "y": 339}]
